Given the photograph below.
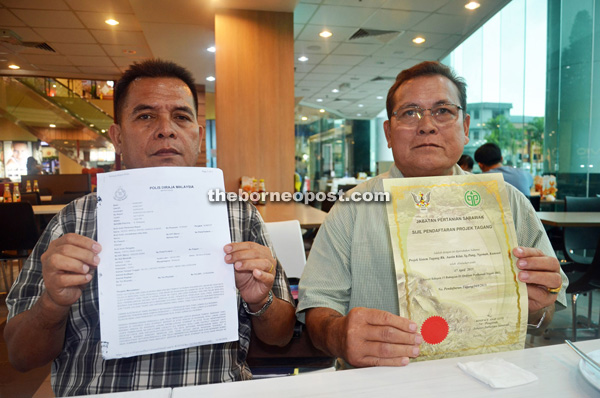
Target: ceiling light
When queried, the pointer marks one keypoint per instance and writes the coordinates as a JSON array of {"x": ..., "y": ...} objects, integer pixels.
[
  {"x": 360, "y": 105},
  {"x": 359, "y": 114},
  {"x": 379, "y": 97},
  {"x": 319, "y": 99},
  {"x": 335, "y": 90},
  {"x": 322, "y": 110},
  {"x": 52, "y": 125},
  {"x": 129, "y": 52},
  {"x": 303, "y": 59},
  {"x": 112, "y": 22},
  {"x": 104, "y": 131},
  {"x": 304, "y": 118},
  {"x": 472, "y": 5},
  {"x": 418, "y": 40},
  {"x": 13, "y": 66},
  {"x": 211, "y": 49},
  {"x": 325, "y": 34},
  {"x": 210, "y": 78}
]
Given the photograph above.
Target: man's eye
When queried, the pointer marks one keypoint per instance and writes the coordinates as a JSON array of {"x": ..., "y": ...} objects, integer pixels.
[
  {"x": 443, "y": 111},
  {"x": 409, "y": 113},
  {"x": 144, "y": 116},
  {"x": 183, "y": 117}
]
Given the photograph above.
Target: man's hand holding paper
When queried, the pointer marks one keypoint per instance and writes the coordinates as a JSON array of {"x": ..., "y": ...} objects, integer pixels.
[
  {"x": 541, "y": 274},
  {"x": 254, "y": 271}
]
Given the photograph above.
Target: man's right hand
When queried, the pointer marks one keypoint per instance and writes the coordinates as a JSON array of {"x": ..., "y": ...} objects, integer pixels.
[
  {"x": 364, "y": 337},
  {"x": 67, "y": 267}
]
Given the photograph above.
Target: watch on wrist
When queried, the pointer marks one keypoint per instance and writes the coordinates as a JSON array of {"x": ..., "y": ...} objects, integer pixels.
[{"x": 264, "y": 307}]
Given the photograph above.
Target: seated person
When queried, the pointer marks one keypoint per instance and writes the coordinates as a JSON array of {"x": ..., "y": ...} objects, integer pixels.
[
  {"x": 53, "y": 305},
  {"x": 466, "y": 163},
  {"x": 489, "y": 158},
  {"x": 348, "y": 295}
]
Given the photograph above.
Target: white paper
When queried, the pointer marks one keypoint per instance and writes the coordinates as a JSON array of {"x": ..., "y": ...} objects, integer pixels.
[{"x": 162, "y": 279}]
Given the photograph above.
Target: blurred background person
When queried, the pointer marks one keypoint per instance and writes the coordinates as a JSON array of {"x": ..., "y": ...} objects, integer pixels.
[
  {"x": 466, "y": 163},
  {"x": 489, "y": 158}
]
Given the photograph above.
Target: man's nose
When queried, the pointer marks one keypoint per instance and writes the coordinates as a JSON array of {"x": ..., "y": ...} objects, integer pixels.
[
  {"x": 165, "y": 128},
  {"x": 427, "y": 123}
]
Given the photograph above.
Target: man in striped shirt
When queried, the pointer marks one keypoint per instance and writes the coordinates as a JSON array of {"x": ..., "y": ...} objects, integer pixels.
[{"x": 53, "y": 306}]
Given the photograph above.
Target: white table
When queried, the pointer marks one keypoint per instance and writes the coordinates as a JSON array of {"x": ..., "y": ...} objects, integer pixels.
[
  {"x": 556, "y": 367},
  {"x": 39, "y": 210},
  {"x": 570, "y": 219}
]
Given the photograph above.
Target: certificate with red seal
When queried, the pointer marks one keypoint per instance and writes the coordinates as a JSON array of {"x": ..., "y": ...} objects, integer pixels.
[{"x": 452, "y": 238}]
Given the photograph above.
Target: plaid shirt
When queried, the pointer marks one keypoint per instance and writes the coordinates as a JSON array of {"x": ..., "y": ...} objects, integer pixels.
[{"x": 80, "y": 370}]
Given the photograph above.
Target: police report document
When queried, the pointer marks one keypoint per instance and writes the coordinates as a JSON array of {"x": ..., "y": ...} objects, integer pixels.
[
  {"x": 452, "y": 238},
  {"x": 162, "y": 279}
]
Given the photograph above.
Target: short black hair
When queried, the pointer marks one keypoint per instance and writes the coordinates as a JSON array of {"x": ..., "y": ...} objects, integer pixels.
[
  {"x": 488, "y": 154},
  {"x": 466, "y": 160},
  {"x": 152, "y": 68},
  {"x": 428, "y": 68}
]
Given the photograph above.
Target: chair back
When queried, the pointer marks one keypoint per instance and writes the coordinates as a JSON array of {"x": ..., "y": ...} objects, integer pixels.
[
  {"x": 19, "y": 229},
  {"x": 33, "y": 198},
  {"x": 581, "y": 239},
  {"x": 289, "y": 246},
  {"x": 535, "y": 201}
]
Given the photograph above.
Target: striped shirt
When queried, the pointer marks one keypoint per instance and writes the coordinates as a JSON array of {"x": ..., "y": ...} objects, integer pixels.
[
  {"x": 351, "y": 262},
  {"x": 80, "y": 370}
]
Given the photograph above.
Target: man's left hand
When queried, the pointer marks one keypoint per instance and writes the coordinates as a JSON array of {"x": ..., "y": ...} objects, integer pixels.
[
  {"x": 254, "y": 271},
  {"x": 540, "y": 273}
]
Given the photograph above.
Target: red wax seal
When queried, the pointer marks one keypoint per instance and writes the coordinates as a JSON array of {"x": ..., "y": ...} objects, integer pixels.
[{"x": 434, "y": 330}]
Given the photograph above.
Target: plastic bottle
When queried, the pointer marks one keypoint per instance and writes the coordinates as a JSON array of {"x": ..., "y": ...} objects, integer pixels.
[
  {"x": 7, "y": 194},
  {"x": 28, "y": 186},
  {"x": 36, "y": 188},
  {"x": 262, "y": 192},
  {"x": 16, "y": 193},
  {"x": 254, "y": 189}
]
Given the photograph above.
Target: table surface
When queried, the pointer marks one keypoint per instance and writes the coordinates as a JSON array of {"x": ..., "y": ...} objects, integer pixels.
[
  {"x": 47, "y": 209},
  {"x": 570, "y": 219},
  {"x": 557, "y": 368},
  {"x": 308, "y": 216}
]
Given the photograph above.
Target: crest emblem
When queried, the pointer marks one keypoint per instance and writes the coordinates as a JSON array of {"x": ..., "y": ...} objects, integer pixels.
[
  {"x": 422, "y": 200},
  {"x": 120, "y": 194}
]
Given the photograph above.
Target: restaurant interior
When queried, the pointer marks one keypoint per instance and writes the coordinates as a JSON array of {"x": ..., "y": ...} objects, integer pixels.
[{"x": 293, "y": 92}]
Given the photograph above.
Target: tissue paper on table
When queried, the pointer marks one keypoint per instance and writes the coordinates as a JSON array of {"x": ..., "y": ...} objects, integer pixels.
[{"x": 498, "y": 373}]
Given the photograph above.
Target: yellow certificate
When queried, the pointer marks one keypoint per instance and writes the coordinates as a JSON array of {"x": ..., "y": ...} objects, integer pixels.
[{"x": 457, "y": 278}]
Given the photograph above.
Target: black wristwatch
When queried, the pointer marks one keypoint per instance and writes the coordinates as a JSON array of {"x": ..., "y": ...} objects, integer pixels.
[{"x": 264, "y": 307}]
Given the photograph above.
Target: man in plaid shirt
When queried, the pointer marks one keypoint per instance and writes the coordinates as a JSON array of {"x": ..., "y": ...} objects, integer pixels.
[{"x": 53, "y": 306}]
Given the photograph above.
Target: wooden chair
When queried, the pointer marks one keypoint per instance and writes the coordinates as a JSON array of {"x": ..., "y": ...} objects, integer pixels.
[{"x": 18, "y": 235}]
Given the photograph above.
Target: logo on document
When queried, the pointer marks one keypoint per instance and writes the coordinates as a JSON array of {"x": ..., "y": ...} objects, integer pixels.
[
  {"x": 120, "y": 194},
  {"x": 472, "y": 198},
  {"x": 422, "y": 200}
]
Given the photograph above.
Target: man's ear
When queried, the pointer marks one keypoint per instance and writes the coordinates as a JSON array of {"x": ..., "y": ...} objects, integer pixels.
[
  {"x": 388, "y": 134},
  {"x": 466, "y": 124},
  {"x": 114, "y": 132},
  {"x": 201, "y": 132}
]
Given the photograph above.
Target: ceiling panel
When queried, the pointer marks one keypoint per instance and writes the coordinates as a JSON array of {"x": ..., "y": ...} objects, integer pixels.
[
  {"x": 79, "y": 49},
  {"x": 356, "y": 49},
  {"x": 36, "y": 4},
  {"x": 119, "y": 37},
  {"x": 56, "y": 35},
  {"x": 394, "y": 20},
  {"x": 341, "y": 16},
  {"x": 181, "y": 30},
  {"x": 7, "y": 19},
  {"x": 104, "y": 6},
  {"x": 48, "y": 18}
]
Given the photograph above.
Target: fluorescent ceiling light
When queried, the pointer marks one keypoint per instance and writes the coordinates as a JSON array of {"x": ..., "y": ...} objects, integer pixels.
[{"x": 112, "y": 22}]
